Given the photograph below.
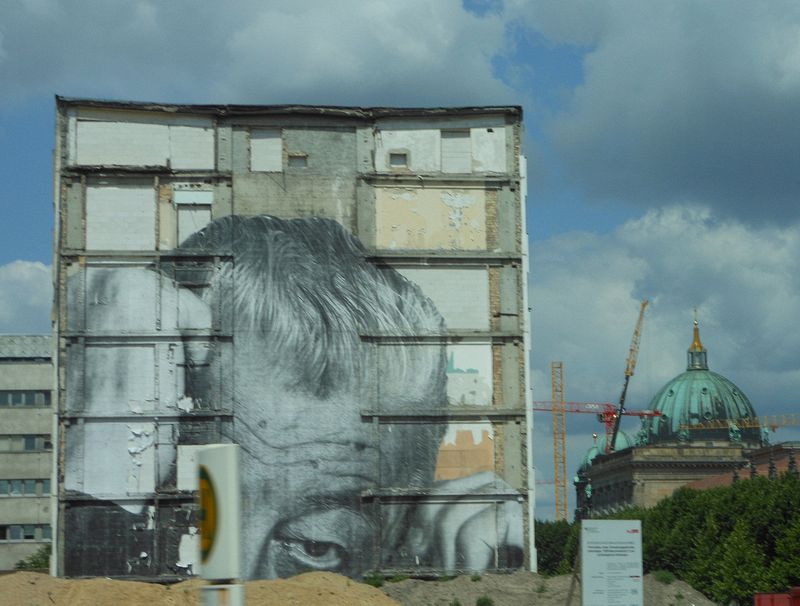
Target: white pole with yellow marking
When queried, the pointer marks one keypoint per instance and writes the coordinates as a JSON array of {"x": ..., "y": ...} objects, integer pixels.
[{"x": 220, "y": 525}]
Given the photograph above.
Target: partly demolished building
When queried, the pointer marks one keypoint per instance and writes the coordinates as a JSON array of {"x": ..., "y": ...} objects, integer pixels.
[{"x": 341, "y": 291}]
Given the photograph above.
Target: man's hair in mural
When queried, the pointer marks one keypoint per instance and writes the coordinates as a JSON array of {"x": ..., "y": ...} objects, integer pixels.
[{"x": 305, "y": 289}]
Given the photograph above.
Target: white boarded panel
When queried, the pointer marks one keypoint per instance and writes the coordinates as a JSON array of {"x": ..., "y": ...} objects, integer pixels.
[
  {"x": 118, "y": 459},
  {"x": 120, "y": 299},
  {"x": 119, "y": 379},
  {"x": 409, "y": 218},
  {"x": 469, "y": 374},
  {"x": 266, "y": 150},
  {"x": 120, "y": 218},
  {"x": 193, "y": 196},
  {"x": 461, "y": 295},
  {"x": 489, "y": 149},
  {"x": 122, "y": 143},
  {"x": 456, "y": 152},
  {"x": 187, "y": 466},
  {"x": 191, "y": 147},
  {"x": 422, "y": 146},
  {"x": 192, "y": 219}
]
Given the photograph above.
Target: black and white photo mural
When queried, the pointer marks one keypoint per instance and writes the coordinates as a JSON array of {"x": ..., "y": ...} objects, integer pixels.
[{"x": 333, "y": 372}]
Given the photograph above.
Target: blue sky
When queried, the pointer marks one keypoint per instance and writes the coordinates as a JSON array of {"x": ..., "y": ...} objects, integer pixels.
[{"x": 662, "y": 140}]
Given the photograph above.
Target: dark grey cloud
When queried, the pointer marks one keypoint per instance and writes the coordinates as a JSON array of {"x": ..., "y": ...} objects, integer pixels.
[{"x": 681, "y": 102}]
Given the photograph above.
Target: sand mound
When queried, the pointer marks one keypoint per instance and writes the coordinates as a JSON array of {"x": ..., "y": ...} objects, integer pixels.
[
  {"x": 325, "y": 589},
  {"x": 310, "y": 589}
]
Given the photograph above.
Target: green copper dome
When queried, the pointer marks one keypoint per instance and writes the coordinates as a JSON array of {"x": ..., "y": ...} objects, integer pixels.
[
  {"x": 599, "y": 447},
  {"x": 699, "y": 396}
]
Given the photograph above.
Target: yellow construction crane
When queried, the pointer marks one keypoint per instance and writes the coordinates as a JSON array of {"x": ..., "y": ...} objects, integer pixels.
[
  {"x": 559, "y": 441},
  {"x": 630, "y": 366}
]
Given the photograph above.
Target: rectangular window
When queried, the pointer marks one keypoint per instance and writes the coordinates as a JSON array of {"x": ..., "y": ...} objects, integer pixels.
[
  {"x": 47, "y": 532},
  {"x": 266, "y": 150},
  {"x": 15, "y": 532},
  {"x": 45, "y": 487},
  {"x": 29, "y": 487},
  {"x": 28, "y": 532},
  {"x": 26, "y": 443},
  {"x": 298, "y": 160},
  {"x": 3, "y": 533},
  {"x": 17, "y": 398},
  {"x": 4, "y": 488},
  {"x": 456, "y": 151},
  {"x": 398, "y": 160},
  {"x": 16, "y": 488}
]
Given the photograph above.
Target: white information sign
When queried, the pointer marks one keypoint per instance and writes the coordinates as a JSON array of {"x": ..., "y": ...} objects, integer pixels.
[{"x": 611, "y": 563}]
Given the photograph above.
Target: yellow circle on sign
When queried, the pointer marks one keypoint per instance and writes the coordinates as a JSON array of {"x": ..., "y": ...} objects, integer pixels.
[{"x": 208, "y": 514}]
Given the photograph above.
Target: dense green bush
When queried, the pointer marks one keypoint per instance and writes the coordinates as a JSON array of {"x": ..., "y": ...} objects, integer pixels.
[
  {"x": 39, "y": 560},
  {"x": 727, "y": 542}
]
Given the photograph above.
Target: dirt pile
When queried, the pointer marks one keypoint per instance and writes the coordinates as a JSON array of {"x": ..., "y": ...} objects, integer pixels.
[
  {"x": 527, "y": 589},
  {"x": 310, "y": 589},
  {"x": 326, "y": 589}
]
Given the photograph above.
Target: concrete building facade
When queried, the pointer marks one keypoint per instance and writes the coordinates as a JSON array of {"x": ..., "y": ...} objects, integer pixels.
[
  {"x": 26, "y": 448},
  {"x": 341, "y": 291}
]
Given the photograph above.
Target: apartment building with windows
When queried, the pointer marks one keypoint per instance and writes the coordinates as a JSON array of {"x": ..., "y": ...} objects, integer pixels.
[{"x": 26, "y": 447}]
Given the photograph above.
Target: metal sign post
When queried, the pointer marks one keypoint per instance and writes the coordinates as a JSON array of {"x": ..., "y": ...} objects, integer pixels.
[{"x": 220, "y": 525}]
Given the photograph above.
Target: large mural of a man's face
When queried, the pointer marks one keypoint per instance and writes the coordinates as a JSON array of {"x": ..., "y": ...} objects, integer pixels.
[{"x": 334, "y": 367}]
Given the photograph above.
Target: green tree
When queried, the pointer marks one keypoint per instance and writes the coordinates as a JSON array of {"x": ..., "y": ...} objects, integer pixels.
[
  {"x": 785, "y": 567},
  {"x": 551, "y": 540},
  {"x": 740, "y": 567}
]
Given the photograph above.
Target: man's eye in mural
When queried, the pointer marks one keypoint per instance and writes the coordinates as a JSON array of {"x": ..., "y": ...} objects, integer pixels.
[{"x": 317, "y": 555}]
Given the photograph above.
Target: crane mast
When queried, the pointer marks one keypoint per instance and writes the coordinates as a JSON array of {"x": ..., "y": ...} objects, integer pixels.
[
  {"x": 630, "y": 366},
  {"x": 559, "y": 441}
]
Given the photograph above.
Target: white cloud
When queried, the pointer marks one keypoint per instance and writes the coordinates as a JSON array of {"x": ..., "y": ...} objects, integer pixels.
[
  {"x": 348, "y": 52},
  {"x": 585, "y": 291},
  {"x": 681, "y": 101},
  {"x": 26, "y": 296}
]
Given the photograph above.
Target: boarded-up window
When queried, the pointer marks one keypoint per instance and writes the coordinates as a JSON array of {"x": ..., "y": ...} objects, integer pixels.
[
  {"x": 266, "y": 150},
  {"x": 456, "y": 151},
  {"x": 122, "y": 143},
  {"x": 191, "y": 147},
  {"x": 187, "y": 467},
  {"x": 120, "y": 218},
  {"x": 460, "y": 295},
  {"x": 192, "y": 219}
]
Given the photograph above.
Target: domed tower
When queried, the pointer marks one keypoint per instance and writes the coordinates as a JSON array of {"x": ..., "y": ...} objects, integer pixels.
[{"x": 700, "y": 396}]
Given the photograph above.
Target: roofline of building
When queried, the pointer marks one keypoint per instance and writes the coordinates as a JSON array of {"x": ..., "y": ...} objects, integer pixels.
[{"x": 360, "y": 113}]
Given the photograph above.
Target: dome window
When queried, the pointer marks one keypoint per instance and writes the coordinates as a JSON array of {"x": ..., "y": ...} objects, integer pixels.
[
  {"x": 670, "y": 393},
  {"x": 704, "y": 390}
]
